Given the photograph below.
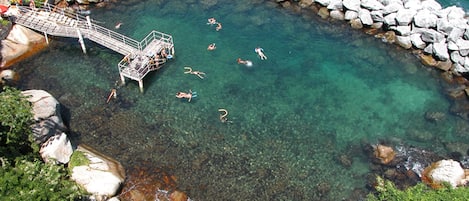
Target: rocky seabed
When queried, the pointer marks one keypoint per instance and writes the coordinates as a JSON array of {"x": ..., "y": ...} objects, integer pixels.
[{"x": 439, "y": 33}]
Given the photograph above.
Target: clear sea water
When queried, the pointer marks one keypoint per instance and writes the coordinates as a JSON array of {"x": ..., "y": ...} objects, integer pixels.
[{"x": 324, "y": 91}]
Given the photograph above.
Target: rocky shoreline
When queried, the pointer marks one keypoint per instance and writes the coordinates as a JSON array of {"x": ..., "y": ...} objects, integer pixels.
[{"x": 429, "y": 47}]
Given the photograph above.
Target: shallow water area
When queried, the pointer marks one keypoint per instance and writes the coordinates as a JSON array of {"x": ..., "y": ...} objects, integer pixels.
[{"x": 323, "y": 91}]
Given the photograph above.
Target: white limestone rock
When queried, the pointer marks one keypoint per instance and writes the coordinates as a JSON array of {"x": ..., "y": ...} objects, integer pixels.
[
  {"x": 449, "y": 171},
  {"x": 457, "y": 58},
  {"x": 405, "y": 16},
  {"x": 413, "y": 4},
  {"x": 350, "y": 15},
  {"x": 462, "y": 44},
  {"x": 390, "y": 19},
  {"x": 372, "y": 5},
  {"x": 455, "y": 35},
  {"x": 417, "y": 41},
  {"x": 424, "y": 18},
  {"x": 57, "y": 148},
  {"x": 431, "y": 5},
  {"x": 392, "y": 8},
  {"x": 337, "y": 14},
  {"x": 323, "y": 2},
  {"x": 402, "y": 30},
  {"x": 404, "y": 41},
  {"x": 430, "y": 35},
  {"x": 377, "y": 16},
  {"x": 352, "y": 4},
  {"x": 452, "y": 46},
  {"x": 460, "y": 68},
  {"x": 365, "y": 17},
  {"x": 440, "y": 51},
  {"x": 44, "y": 104},
  {"x": 335, "y": 5},
  {"x": 102, "y": 177}
]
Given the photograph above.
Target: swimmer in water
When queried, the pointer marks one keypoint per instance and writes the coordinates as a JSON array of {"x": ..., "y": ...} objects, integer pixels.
[
  {"x": 260, "y": 52},
  {"x": 118, "y": 25},
  {"x": 211, "y": 47},
  {"x": 248, "y": 63}
]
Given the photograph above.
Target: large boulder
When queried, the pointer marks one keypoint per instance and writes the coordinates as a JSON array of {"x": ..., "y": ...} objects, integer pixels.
[
  {"x": 99, "y": 174},
  {"x": 444, "y": 171},
  {"x": 19, "y": 42},
  {"x": 57, "y": 149},
  {"x": 46, "y": 114}
]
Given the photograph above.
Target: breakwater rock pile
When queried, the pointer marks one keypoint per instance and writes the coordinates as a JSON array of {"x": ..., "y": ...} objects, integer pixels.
[{"x": 440, "y": 35}]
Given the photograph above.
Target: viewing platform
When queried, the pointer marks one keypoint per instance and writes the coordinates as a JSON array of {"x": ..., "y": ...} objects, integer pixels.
[{"x": 140, "y": 57}]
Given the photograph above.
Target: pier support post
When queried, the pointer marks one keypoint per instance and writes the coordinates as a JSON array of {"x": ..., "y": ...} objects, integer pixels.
[
  {"x": 140, "y": 85},
  {"x": 82, "y": 42},
  {"x": 88, "y": 20},
  {"x": 47, "y": 38},
  {"x": 122, "y": 79}
]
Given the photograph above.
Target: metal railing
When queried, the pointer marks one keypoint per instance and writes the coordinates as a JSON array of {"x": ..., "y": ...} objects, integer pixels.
[{"x": 91, "y": 30}]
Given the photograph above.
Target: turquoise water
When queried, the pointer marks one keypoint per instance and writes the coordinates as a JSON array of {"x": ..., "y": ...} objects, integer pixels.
[{"x": 323, "y": 92}]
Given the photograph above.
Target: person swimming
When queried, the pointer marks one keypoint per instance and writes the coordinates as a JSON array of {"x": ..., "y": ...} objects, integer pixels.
[
  {"x": 260, "y": 52},
  {"x": 211, "y": 47},
  {"x": 188, "y": 96},
  {"x": 211, "y": 21},
  {"x": 248, "y": 63}
]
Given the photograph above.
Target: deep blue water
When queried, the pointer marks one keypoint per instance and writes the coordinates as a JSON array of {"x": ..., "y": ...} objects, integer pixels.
[{"x": 324, "y": 91}]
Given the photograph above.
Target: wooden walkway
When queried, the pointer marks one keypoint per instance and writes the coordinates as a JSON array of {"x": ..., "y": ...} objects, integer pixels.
[{"x": 140, "y": 57}]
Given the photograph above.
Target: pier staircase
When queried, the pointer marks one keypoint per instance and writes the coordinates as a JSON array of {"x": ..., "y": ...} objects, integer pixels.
[{"x": 140, "y": 57}]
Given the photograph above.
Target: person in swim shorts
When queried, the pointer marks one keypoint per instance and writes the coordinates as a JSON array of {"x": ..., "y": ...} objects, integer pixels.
[{"x": 260, "y": 52}]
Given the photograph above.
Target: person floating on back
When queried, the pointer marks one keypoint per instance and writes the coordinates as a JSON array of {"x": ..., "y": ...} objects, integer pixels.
[
  {"x": 188, "y": 96},
  {"x": 260, "y": 52}
]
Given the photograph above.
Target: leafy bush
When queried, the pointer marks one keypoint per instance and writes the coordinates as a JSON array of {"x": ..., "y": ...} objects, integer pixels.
[
  {"x": 36, "y": 181},
  {"x": 16, "y": 118},
  {"x": 387, "y": 191},
  {"x": 23, "y": 176},
  {"x": 78, "y": 158}
]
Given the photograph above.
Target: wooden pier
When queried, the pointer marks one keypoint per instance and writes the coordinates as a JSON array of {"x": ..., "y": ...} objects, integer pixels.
[{"x": 140, "y": 57}]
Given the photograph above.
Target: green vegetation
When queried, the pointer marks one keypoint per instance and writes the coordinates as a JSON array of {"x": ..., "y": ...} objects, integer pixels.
[
  {"x": 78, "y": 159},
  {"x": 35, "y": 180},
  {"x": 23, "y": 176},
  {"x": 387, "y": 191},
  {"x": 16, "y": 118}
]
